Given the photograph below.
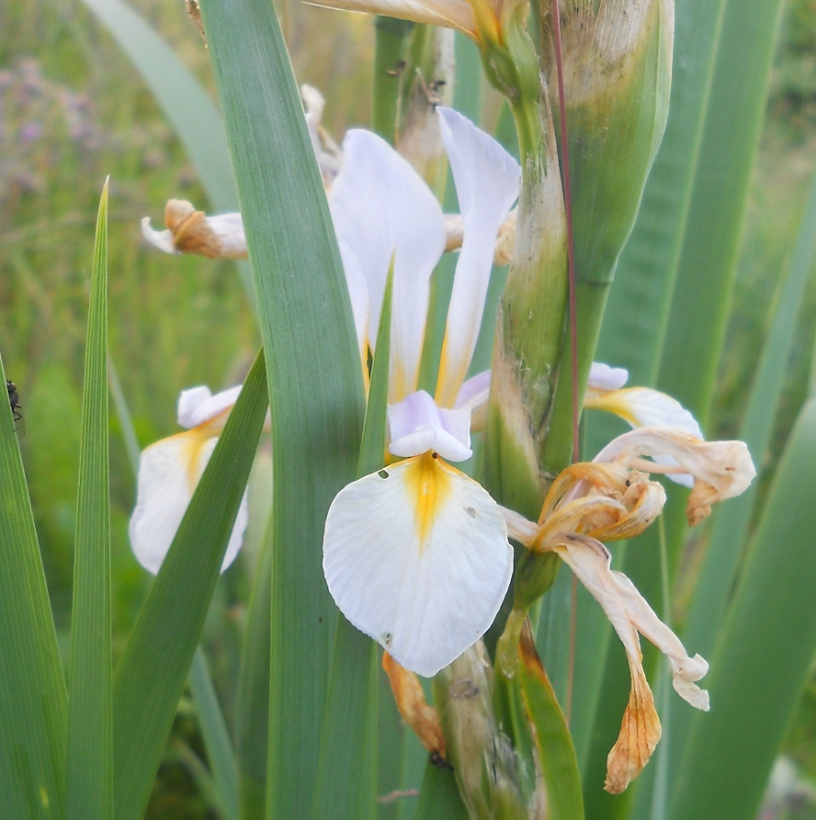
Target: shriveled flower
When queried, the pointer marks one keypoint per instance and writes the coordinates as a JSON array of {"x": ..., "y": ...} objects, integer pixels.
[
  {"x": 169, "y": 471},
  {"x": 613, "y": 498},
  {"x": 416, "y": 555}
]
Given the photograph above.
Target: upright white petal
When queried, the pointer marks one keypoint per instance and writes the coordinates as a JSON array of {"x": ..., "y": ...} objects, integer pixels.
[
  {"x": 417, "y": 425},
  {"x": 487, "y": 184},
  {"x": 382, "y": 210},
  {"x": 169, "y": 471},
  {"x": 417, "y": 557},
  {"x": 449, "y": 13}
]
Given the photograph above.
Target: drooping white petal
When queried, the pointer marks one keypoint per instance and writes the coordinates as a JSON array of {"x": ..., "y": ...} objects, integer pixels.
[
  {"x": 418, "y": 425},
  {"x": 685, "y": 670},
  {"x": 629, "y": 613},
  {"x": 169, "y": 471},
  {"x": 383, "y": 211},
  {"x": 198, "y": 405},
  {"x": 604, "y": 377},
  {"x": 449, "y": 13},
  {"x": 487, "y": 184},
  {"x": 417, "y": 557}
]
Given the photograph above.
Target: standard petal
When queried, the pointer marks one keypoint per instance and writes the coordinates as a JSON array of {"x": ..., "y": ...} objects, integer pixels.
[
  {"x": 417, "y": 425},
  {"x": 417, "y": 557},
  {"x": 448, "y": 13},
  {"x": 487, "y": 184},
  {"x": 169, "y": 471},
  {"x": 384, "y": 212}
]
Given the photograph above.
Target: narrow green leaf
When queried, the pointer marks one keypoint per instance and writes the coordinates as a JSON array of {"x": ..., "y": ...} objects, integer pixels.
[
  {"x": 90, "y": 745},
  {"x": 252, "y": 723},
  {"x": 314, "y": 373},
  {"x": 556, "y": 754},
  {"x": 764, "y": 654},
  {"x": 708, "y": 259},
  {"x": 680, "y": 258},
  {"x": 151, "y": 674},
  {"x": 33, "y": 701},
  {"x": 639, "y": 302},
  {"x": 187, "y": 106},
  {"x": 732, "y": 519},
  {"x": 220, "y": 753},
  {"x": 346, "y": 784},
  {"x": 439, "y": 796}
]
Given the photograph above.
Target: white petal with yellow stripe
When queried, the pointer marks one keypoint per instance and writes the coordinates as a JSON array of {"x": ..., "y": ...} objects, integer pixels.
[{"x": 416, "y": 556}]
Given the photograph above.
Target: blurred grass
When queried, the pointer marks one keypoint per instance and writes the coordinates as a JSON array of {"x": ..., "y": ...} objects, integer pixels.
[{"x": 72, "y": 110}]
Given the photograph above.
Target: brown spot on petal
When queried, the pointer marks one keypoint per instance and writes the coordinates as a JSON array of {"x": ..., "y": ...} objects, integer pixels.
[
  {"x": 415, "y": 710},
  {"x": 640, "y": 731}
]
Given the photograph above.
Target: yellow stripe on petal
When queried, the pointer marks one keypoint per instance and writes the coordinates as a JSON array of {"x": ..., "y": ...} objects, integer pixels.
[{"x": 430, "y": 481}]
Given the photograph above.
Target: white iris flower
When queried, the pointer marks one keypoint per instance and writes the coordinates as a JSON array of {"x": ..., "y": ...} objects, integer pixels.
[
  {"x": 169, "y": 471},
  {"x": 416, "y": 555}
]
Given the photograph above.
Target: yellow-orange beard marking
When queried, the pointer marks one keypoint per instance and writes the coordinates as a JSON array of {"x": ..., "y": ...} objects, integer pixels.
[{"x": 429, "y": 480}]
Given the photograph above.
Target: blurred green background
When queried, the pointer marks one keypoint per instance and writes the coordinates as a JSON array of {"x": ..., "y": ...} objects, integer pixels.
[{"x": 73, "y": 110}]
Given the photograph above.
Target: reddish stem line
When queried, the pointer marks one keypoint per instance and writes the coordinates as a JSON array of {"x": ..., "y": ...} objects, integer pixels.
[{"x": 576, "y": 442}]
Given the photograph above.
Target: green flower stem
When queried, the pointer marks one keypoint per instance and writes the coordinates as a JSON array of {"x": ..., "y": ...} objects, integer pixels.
[
  {"x": 529, "y": 330},
  {"x": 590, "y": 298},
  {"x": 390, "y": 46}
]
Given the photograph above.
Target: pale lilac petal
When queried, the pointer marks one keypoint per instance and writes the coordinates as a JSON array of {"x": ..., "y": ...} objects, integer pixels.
[
  {"x": 487, "y": 184},
  {"x": 417, "y": 425},
  {"x": 604, "y": 377}
]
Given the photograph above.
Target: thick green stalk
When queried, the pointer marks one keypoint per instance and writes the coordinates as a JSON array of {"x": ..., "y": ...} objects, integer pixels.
[
  {"x": 390, "y": 45},
  {"x": 529, "y": 330}
]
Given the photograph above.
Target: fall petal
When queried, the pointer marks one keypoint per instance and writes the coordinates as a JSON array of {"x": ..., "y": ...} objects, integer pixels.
[
  {"x": 169, "y": 471},
  {"x": 416, "y": 556}
]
